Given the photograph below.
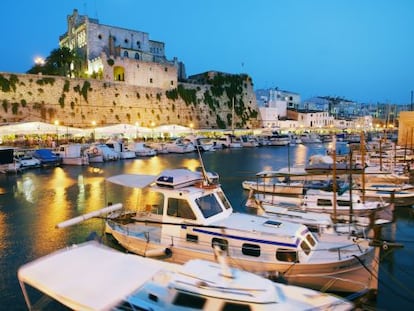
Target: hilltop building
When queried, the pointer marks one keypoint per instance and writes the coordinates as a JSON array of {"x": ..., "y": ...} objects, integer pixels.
[{"x": 117, "y": 54}]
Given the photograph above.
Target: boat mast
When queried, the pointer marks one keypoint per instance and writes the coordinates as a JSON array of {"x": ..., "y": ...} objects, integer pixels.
[
  {"x": 334, "y": 177},
  {"x": 232, "y": 117},
  {"x": 350, "y": 185},
  {"x": 362, "y": 140}
]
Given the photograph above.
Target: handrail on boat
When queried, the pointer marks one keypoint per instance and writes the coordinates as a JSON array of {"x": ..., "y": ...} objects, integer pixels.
[{"x": 339, "y": 248}]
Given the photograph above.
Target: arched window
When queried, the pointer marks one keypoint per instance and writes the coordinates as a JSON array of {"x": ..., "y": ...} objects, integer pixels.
[
  {"x": 136, "y": 56},
  {"x": 125, "y": 53}
]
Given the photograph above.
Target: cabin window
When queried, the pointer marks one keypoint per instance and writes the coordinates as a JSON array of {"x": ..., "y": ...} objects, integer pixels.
[
  {"x": 222, "y": 244},
  {"x": 343, "y": 203},
  {"x": 232, "y": 306},
  {"x": 189, "y": 301},
  {"x": 180, "y": 208},
  {"x": 223, "y": 199},
  {"x": 209, "y": 206},
  {"x": 288, "y": 255},
  {"x": 324, "y": 202},
  {"x": 152, "y": 202},
  {"x": 310, "y": 240},
  {"x": 251, "y": 250},
  {"x": 192, "y": 238},
  {"x": 305, "y": 247}
]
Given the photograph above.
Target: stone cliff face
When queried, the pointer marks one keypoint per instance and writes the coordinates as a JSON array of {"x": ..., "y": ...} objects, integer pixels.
[{"x": 79, "y": 102}]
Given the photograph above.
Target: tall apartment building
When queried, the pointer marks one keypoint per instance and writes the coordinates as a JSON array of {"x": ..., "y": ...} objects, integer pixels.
[{"x": 118, "y": 54}]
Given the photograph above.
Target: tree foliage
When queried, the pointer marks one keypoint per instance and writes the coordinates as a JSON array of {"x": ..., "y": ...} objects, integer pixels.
[{"x": 61, "y": 62}]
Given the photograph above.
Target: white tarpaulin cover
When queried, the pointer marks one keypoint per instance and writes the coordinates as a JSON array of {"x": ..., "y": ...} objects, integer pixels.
[{"x": 89, "y": 276}]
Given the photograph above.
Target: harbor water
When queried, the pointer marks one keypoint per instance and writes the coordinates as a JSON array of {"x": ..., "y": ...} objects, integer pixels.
[{"x": 33, "y": 202}]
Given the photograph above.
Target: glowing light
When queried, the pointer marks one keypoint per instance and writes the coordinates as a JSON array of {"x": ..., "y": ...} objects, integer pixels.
[{"x": 40, "y": 61}]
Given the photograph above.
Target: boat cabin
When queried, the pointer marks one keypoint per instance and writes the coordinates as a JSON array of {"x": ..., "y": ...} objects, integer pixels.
[{"x": 195, "y": 215}]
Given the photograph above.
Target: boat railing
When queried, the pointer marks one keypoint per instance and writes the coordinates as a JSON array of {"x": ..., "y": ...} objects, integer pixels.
[{"x": 341, "y": 248}]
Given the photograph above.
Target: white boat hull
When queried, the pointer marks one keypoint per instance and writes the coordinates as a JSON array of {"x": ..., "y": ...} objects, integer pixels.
[
  {"x": 323, "y": 275},
  {"x": 294, "y": 188}
]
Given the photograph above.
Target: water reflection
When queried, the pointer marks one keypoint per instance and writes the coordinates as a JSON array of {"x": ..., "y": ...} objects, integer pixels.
[
  {"x": 300, "y": 155},
  {"x": 3, "y": 233},
  {"x": 95, "y": 197},
  {"x": 27, "y": 188}
]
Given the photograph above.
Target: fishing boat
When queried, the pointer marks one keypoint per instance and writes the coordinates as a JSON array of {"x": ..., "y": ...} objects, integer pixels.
[
  {"x": 73, "y": 154},
  {"x": 47, "y": 157},
  {"x": 277, "y": 187},
  {"x": 322, "y": 201},
  {"x": 98, "y": 153},
  {"x": 141, "y": 149},
  {"x": 119, "y": 147},
  {"x": 324, "y": 164},
  {"x": 26, "y": 159},
  {"x": 186, "y": 213},
  {"x": 319, "y": 223},
  {"x": 73, "y": 277},
  {"x": 399, "y": 194},
  {"x": 268, "y": 182}
]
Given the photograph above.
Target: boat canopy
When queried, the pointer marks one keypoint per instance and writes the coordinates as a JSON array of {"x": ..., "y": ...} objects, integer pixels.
[
  {"x": 132, "y": 180},
  {"x": 88, "y": 276}
]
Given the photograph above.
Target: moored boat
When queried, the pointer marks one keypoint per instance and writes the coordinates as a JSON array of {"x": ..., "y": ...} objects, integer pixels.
[
  {"x": 398, "y": 194},
  {"x": 184, "y": 220},
  {"x": 141, "y": 149},
  {"x": 73, "y": 277},
  {"x": 73, "y": 154},
  {"x": 47, "y": 157},
  {"x": 98, "y": 152}
]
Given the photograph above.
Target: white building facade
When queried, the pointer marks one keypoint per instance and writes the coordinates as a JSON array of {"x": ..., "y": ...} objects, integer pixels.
[{"x": 118, "y": 54}]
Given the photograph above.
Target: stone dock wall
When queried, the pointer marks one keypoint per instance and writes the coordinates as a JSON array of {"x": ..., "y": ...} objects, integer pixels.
[{"x": 79, "y": 102}]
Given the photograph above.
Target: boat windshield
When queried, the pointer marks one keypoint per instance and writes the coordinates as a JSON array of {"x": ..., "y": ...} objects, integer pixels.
[
  {"x": 209, "y": 206},
  {"x": 223, "y": 199}
]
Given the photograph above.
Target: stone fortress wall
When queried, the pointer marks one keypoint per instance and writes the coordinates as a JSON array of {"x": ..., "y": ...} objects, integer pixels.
[{"x": 79, "y": 102}]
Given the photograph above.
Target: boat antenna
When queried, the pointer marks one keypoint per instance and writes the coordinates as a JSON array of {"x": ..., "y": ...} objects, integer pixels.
[{"x": 206, "y": 179}]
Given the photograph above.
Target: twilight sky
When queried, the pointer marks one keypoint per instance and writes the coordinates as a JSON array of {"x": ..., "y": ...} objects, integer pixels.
[{"x": 362, "y": 50}]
